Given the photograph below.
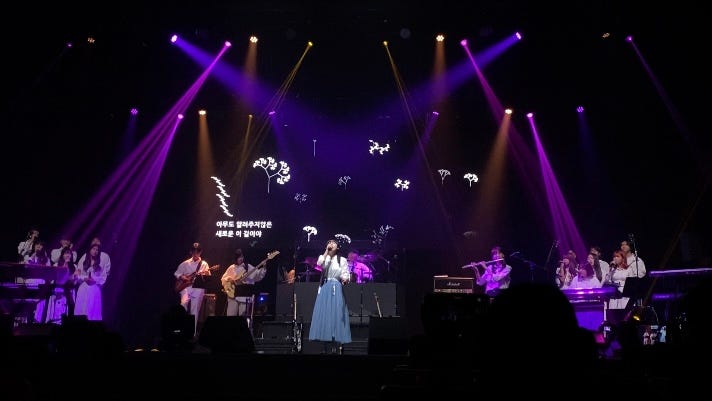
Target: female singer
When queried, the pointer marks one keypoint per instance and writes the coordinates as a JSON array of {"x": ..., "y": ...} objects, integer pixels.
[
  {"x": 330, "y": 318},
  {"x": 620, "y": 270},
  {"x": 567, "y": 270}
]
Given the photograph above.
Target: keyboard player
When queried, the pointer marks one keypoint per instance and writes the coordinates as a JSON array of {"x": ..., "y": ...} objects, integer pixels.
[{"x": 23, "y": 286}]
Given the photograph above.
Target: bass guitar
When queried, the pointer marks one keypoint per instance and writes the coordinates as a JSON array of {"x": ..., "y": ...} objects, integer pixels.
[
  {"x": 229, "y": 285},
  {"x": 188, "y": 279}
]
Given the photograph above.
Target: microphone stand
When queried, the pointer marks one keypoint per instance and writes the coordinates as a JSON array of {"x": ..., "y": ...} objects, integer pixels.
[
  {"x": 554, "y": 245},
  {"x": 631, "y": 238},
  {"x": 635, "y": 252}
]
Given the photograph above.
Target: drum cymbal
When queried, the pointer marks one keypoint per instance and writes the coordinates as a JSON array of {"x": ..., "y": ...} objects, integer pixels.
[{"x": 369, "y": 257}]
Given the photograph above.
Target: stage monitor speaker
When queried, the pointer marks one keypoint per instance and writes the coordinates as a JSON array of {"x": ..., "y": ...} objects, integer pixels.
[
  {"x": 177, "y": 328},
  {"x": 227, "y": 334},
  {"x": 34, "y": 339},
  {"x": 454, "y": 316},
  {"x": 388, "y": 336}
]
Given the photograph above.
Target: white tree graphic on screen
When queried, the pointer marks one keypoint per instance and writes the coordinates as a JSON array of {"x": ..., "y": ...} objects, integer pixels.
[
  {"x": 471, "y": 178},
  {"x": 443, "y": 173},
  {"x": 278, "y": 169},
  {"x": 343, "y": 180},
  {"x": 310, "y": 230}
]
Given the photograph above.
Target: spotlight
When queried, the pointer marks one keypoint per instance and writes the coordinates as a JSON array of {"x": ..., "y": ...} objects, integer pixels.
[
  {"x": 202, "y": 112},
  {"x": 174, "y": 38},
  {"x": 253, "y": 39},
  {"x": 440, "y": 38},
  {"x": 508, "y": 111},
  {"x": 628, "y": 38},
  {"x": 228, "y": 44},
  {"x": 518, "y": 35},
  {"x": 134, "y": 111},
  {"x": 579, "y": 109},
  {"x": 435, "y": 113},
  {"x": 271, "y": 113},
  {"x": 463, "y": 42},
  {"x": 530, "y": 115},
  {"x": 180, "y": 116}
]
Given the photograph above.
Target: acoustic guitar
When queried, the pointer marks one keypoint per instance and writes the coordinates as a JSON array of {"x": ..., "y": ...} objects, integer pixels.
[
  {"x": 229, "y": 286},
  {"x": 188, "y": 279}
]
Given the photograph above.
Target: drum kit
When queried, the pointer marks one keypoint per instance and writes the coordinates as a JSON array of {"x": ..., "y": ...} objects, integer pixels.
[{"x": 363, "y": 272}]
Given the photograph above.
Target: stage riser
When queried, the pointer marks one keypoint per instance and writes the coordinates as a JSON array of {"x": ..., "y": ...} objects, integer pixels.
[{"x": 276, "y": 338}]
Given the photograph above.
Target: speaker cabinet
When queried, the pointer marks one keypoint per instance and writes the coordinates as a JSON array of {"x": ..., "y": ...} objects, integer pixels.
[
  {"x": 305, "y": 294},
  {"x": 387, "y": 296},
  {"x": 227, "y": 334},
  {"x": 352, "y": 295},
  {"x": 363, "y": 300}
]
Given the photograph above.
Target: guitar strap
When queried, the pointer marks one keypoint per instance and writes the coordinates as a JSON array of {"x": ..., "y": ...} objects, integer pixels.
[{"x": 197, "y": 268}]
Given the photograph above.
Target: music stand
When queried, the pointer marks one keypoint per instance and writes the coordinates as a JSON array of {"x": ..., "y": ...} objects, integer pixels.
[
  {"x": 248, "y": 292},
  {"x": 636, "y": 287},
  {"x": 210, "y": 283}
]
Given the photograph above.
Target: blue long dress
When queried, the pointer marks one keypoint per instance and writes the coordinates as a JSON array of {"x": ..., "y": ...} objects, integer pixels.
[{"x": 330, "y": 319}]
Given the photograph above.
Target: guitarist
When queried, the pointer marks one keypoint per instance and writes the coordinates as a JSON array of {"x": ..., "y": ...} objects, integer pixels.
[
  {"x": 191, "y": 298},
  {"x": 238, "y": 281}
]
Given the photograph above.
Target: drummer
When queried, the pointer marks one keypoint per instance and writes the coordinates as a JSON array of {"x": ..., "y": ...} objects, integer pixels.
[{"x": 360, "y": 272}]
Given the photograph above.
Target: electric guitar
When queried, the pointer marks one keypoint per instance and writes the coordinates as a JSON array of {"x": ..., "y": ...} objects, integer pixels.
[
  {"x": 188, "y": 279},
  {"x": 229, "y": 286}
]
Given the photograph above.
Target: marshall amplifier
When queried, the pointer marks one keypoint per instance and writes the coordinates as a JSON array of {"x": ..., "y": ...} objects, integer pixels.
[{"x": 463, "y": 285}]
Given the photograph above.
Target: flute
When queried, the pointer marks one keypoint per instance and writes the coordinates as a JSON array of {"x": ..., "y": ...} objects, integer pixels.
[{"x": 489, "y": 262}]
